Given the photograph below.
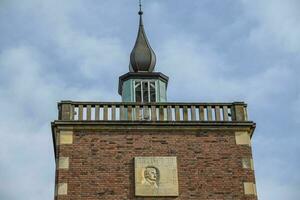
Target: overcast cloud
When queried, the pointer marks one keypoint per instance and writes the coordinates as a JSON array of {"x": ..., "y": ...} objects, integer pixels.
[{"x": 229, "y": 50}]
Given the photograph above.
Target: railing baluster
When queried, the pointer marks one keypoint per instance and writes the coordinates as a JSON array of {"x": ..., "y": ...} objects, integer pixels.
[
  {"x": 232, "y": 113},
  {"x": 177, "y": 114},
  {"x": 146, "y": 115},
  {"x": 122, "y": 112},
  {"x": 201, "y": 113},
  {"x": 161, "y": 113},
  {"x": 80, "y": 110},
  {"x": 97, "y": 114},
  {"x": 113, "y": 113},
  {"x": 185, "y": 113},
  {"x": 169, "y": 113},
  {"x": 129, "y": 112},
  {"x": 209, "y": 113},
  {"x": 105, "y": 113},
  {"x": 225, "y": 113},
  {"x": 193, "y": 113},
  {"x": 138, "y": 113},
  {"x": 88, "y": 112},
  {"x": 153, "y": 113},
  {"x": 217, "y": 113}
]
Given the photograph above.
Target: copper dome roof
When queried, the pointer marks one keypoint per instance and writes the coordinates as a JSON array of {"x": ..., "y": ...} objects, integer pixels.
[{"x": 142, "y": 57}]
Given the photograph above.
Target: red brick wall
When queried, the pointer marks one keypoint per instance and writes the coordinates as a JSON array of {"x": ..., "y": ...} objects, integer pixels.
[{"x": 209, "y": 163}]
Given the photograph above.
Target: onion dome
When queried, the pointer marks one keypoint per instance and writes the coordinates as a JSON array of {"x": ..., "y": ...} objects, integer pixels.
[{"x": 142, "y": 57}]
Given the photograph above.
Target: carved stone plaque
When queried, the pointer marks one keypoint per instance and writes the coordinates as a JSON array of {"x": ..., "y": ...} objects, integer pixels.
[{"x": 156, "y": 176}]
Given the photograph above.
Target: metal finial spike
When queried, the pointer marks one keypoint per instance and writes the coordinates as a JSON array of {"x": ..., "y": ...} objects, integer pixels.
[{"x": 140, "y": 4}]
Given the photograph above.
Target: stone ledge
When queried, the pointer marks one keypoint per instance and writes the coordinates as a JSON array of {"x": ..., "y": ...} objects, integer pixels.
[{"x": 117, "y": 125}]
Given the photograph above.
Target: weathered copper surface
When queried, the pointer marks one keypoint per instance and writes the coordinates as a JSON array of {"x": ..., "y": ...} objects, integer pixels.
[{"x": 142, "y": 57}]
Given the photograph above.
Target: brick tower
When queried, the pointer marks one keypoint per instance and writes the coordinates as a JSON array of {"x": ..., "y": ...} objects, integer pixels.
[{"x": 148, "y": 148}]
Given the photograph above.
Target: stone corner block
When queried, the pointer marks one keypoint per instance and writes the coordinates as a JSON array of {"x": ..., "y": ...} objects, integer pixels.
[
  {"x": 62, "y": 189},
  {"x": 63, "y": 163},
  {"x": 242, "y": 138},
  {"x": 248, "y": 163},
  {"x": 66, "y": 137},
  {"x": 251, "y": 164},
  {"x": 250, "y": 188}
]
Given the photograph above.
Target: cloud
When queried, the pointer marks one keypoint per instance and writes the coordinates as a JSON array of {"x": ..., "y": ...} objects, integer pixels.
[
  {"x": 34, "y": 68},
  {"x": 214, "y": 78},
  {"x": 296, "y": 109},
  {"x": 28, "y": 98},
  {"x": 27, "y": 160},
  {"x": 271, "y": 190},
  {"x": 277, "y": 23}
]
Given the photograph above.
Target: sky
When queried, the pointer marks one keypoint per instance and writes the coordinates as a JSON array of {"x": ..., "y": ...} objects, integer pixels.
[{"x": 212, "y": 50}]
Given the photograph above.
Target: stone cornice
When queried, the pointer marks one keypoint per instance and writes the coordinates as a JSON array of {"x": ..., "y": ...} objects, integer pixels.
[{"x": 148, "y": 125}]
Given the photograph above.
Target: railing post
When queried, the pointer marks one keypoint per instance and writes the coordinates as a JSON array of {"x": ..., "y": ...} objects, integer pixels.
[
  {"x": 185, "y": 113},
  {"x": 105, "y": 112},
  {"x": 209, "y": 113},
  {"x": 97, "y": 112},
  {"x": 122, "y": 112},
  {"x": 239, "y": 111},
  {"x": 66, "y": 111},
  {"x": 217, "y": 113},
  {"x": 80, "y": 114},
  {"x": 89, "y": 112},
  {"x": 138, "y": 113},
  {"x": 153, "y": 113},
  {"x": 169, "y": 113},
  {"x": 113, "y": 113},
  {"x": 161, "y": 113},
  {"x": 193, "y": 113},
  {"x": 201, "y": 113},
  {"x": 225, "y": 113},
  {"x": 177, "y": 113},
  {"x": 146, "y": 113},
  {"x": 129, "y": 112}
]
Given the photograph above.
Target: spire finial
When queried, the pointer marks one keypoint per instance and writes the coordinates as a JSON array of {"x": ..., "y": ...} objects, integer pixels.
[
  {"x": 140, "y": 4},
  {"x": 142, "y": 57}
]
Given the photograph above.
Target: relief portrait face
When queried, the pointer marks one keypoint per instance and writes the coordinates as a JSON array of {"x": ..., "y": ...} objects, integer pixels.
[{"x": 151, "y": 175}]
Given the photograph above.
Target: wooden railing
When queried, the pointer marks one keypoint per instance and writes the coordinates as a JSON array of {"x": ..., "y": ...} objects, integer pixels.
[{"x": 201, "y": 112}]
